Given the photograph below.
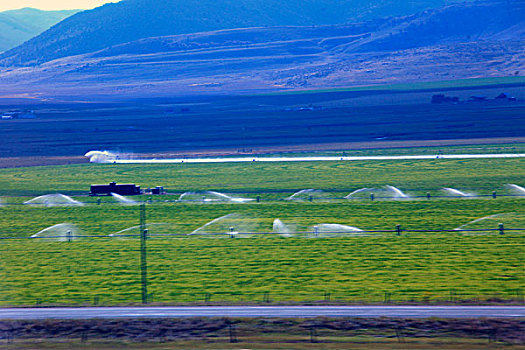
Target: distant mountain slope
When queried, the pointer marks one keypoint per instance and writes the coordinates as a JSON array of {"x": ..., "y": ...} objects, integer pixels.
[
  {"x": 492, "y": 21},
  {"x": 130, "y": 20},
  {"x": 438, "y": 44},
  {"x": 18, "y": 26}
]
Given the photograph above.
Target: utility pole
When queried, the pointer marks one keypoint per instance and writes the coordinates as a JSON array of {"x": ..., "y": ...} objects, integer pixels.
[{"x": 143, "y": 262}]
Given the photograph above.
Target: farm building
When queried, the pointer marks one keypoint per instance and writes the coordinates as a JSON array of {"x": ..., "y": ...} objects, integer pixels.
[{"x": 113, "y": 187}]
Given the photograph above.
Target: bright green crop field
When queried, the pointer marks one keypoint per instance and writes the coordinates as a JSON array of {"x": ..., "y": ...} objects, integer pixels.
[
  {"x": 416, "y": 267},
  {"x": 418, "y": 176},
  {"x": 355, "y": 269}
]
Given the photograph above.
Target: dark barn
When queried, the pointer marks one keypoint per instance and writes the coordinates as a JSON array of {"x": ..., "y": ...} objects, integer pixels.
[{"x": 122, "y": 189}]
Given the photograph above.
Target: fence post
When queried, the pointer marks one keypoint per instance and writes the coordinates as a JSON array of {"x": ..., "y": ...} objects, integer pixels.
[
  {"x": 519, "y": 294},
  {"x": 398, "y": 230},
  {"x": 387, "y": 297},
  {"x": 143, "y": 261},
  {"x": 501, "y": 229},
  {"x": 399, "y": 335},
  {"x": 313, "y": 335},
  {"x": 267, "y": 297},
  {"x": 233, "y": 335}
]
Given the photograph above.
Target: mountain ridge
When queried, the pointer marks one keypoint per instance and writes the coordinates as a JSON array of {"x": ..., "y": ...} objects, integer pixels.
[
  {"x": 129, "y": 20},
  {"x": 379, "y": 51}
]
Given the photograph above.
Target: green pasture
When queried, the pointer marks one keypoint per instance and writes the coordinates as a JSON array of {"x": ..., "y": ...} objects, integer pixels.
[
  {"x": 418, "y": 176},
  {"x": 419, "y": 267},
  {"x": 183, "y": 218},
  {"x": 421, "y": 86},
  {"x": 423, "y": 150}
]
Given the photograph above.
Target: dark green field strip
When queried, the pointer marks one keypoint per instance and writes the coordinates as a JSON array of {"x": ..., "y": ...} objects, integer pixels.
[
  {"x": 449, "y": 85},
  {"x": 24, "y": 221},
  {"x": 421, "y": 150},
  {"x": 416, "y": 268},
  {"x": 486, "y": 175}
]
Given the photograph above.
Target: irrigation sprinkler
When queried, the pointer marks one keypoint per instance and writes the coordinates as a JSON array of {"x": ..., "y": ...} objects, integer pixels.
[{"x": 501, "y": 229}]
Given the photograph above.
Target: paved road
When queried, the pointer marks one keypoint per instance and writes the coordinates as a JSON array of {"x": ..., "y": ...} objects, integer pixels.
[
  {"x": 107, "y": 157},
  {"x": 265, "y": 311}
]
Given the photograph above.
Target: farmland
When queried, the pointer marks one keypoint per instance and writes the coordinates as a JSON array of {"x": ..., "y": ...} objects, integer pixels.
[
  {"x": 256, "y": 123},
  {"x": 413, "y": 267},
  {"x": 420, "y": 176}
]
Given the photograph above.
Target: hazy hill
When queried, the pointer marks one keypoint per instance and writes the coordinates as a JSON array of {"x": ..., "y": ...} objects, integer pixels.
[
  {"x": 130, "y": 20},
  {"x": 18, "y": 26}
]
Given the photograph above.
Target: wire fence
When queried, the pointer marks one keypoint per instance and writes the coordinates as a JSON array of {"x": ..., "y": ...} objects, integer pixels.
[
  {"x": 397, "y": 231},
  {"x": 350, "y": 297}
]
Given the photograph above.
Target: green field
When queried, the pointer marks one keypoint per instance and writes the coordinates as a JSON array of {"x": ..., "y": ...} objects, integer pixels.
[
  {"x": 423, "y": 150},
  {"x": 435, "y": 85},
  {"x": 448, "y": 214},
  {"x": 413, "y": 267},
  {"x": 420, "y": 176}
]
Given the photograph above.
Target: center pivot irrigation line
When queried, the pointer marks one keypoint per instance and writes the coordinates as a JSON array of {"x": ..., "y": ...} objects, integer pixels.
[{"x": 110, "y": 158}]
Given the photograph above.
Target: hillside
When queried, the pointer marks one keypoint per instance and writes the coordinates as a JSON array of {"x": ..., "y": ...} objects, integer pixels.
[
  {"x": 431, "y": 45},
  {"x": 18, "y": 26},
  {"x": 130, "y": 20}
]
